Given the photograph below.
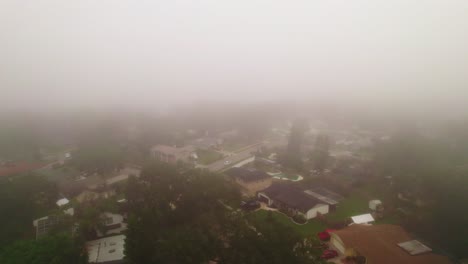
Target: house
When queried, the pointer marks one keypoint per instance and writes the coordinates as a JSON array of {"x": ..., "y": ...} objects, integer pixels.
[
  {"x": 383, "y": 244},
  {"x": 124, "y": 174},
  {"x": 250, "y": 180},
  {"x": 107, "y": 250},
  {"x": 112, "y": 224},
  {"x": 172, "y": 155},
  {"x": 293, "y": 200},
  {"x": 326, "y": 196}
]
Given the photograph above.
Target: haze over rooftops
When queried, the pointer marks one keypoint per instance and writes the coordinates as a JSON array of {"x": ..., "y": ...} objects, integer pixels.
[
  {"x": 247, "y": 175},
  {"x": 291, "y": 196}
]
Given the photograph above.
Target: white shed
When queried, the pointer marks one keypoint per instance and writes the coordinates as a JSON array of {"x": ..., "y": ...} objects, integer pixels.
[
  {"x": 319, "y": 208},
  {"x": 62, "y": 202},
  {"x": 362, "y": 219},
  {"x": 373, "y": 204}
]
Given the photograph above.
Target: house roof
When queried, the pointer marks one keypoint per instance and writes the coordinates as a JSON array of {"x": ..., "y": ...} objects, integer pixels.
[
  {"x": 169, "y": 150},
  {"x": 379, "y": 244},
  {"x": 321, "y": 197},
  {"x": 247, "y": 175},
  {"x": 62, "y": 202},
  {"x": 106, "y": 250},
  {"x": 206, "y": 142},
  {"x": 291, "y": 196}
]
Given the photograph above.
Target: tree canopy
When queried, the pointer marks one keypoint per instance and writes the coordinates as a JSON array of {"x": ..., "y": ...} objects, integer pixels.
[
  {"x": 54, "y": 249},
  {"x": 22, "y": 199},
  {"x": 431, "y": 169},
  {"x": 185, "y": 217}
]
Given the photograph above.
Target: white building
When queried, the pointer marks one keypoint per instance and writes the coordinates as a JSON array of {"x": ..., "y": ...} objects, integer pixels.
[
  {"x": 362, "y": 219},
  {"x": 62, "y": 202}
]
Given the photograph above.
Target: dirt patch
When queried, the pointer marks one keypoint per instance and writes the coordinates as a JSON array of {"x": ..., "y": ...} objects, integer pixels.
[{"x": 19, "y": 167}]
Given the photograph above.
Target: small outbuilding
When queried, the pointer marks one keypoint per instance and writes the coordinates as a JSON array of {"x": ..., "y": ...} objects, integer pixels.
[
  {"x": 62, "y": 202},
  {"x": 375, "y": 204},
  {"x": 362, "y": 219}
]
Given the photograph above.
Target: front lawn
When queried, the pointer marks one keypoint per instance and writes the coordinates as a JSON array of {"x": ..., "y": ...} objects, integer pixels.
[
  {"x": 206, "y": 157},
  {"x": 310, "y": 229},
  {"x": 353, "y": 205}
]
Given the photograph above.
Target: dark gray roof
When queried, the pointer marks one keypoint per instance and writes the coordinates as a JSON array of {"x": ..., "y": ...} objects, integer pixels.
[
  {"x": 291, "y": 196},
  {"x": 247, "y": 175}
]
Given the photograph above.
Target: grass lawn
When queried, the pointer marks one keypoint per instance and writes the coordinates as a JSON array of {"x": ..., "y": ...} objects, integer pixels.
[
  {"x": 351, "y": 206},
  {"x": 233, "y": 146},
  {"x": 59, "y": 174},
  {"x": 206, "y": 157},
  {"x": 310, "y": 229},
  {"x": 391, "y": 219}
]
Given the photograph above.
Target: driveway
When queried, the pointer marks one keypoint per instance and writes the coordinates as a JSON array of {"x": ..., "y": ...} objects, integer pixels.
[{"x": 231, "y": 160}]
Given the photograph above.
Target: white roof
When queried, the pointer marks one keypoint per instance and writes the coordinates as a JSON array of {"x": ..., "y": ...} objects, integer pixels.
[
  {"x": 106, "y": 249},
  {"x": 414, "y": 247},
  {"x": 362, "y": 219},
  {"x": 62, "y": 202},
  {"x": 70, "y": 211}
]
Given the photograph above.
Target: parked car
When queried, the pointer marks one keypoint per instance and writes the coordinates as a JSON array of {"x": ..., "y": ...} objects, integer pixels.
[
  {"x": 250, "y": 205},
  {"x": 329, "y": 254},
  {"x": 324, "y": 236}
]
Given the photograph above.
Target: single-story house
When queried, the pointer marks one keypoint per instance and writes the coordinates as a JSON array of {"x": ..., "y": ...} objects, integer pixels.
[
  {"x": 250, "y": 180},
  {"x": 293, "y": 200},
  {"x": 107, "y": 250},
  {"x": 112, "y": 223},
  {"x": 172, "y": 155},
  {"x": 383, "y": 244},
  {"x": 123, "y": 175}
]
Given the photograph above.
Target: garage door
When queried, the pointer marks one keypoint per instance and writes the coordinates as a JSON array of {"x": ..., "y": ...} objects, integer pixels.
[{"x": 337, "y": 244}]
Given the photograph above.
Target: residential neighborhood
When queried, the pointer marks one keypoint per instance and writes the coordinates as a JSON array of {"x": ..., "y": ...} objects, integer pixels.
[{"x": 331, "y": 201}]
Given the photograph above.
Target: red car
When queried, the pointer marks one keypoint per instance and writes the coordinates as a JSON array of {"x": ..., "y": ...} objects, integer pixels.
[
  {"x": 324, "y": 236},
  {"x": 329, "y": 254}
]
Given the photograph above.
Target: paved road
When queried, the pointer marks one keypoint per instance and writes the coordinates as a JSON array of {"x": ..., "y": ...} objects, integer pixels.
[{"x": 233, "y": 159}]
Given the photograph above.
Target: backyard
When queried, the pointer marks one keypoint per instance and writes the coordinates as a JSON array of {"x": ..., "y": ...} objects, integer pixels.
[
  {"x": 353, "y": 205},
  {"x": 310, "y": 229},
  {"x": 206, "y": 157}
]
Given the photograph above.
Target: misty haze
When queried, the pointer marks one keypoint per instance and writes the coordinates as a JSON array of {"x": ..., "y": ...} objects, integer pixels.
[{"x": 228, "y": 132}]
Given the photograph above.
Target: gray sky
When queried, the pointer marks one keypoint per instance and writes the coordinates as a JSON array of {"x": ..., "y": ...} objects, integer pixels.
[{"x": 393, "y": 54}]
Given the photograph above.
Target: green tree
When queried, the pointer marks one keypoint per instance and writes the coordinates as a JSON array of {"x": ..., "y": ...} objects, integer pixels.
[
  {"x": 22, "y": 199},
  {"x": 54, "y": 249},
  {"x": 182, "y": 218},
  {"x": 292, "y": 157}
]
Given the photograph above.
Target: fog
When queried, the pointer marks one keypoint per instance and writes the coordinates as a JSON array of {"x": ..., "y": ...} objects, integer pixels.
[{"x": 387, "y": 55}]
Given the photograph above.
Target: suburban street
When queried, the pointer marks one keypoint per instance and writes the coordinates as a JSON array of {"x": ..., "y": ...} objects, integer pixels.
[{"x": 233, "y": 159}]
